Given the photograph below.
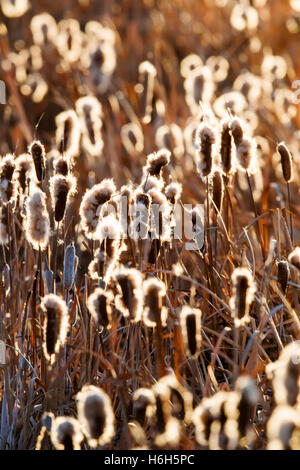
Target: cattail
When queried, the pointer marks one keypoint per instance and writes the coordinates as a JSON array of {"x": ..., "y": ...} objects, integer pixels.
[
  {"x": 37, "y": 224},
  {"x": 44, "y": 29},
  {"x": 215, "y": 421},
  {"x": 66, "y": 433},
  {"x": 143, "y": 405},
  {"x": 283, "y": 429},
  {"x": 243, "y": 295},
  {"x": 294, "y": 257},
  {"x": 99, "y": 305},
  {"x": 140, "y": 212},
  {"x": 61, "y": 166},
  {"x": 109, "y": 234},
  {"x": 226, "y": 147},
  {"x": 199, "y": 88},
  {"x": 205, "y": 139},
  {"x": 154, "y": 293},
  {"x": 285, "y": 374},
  {"x": 61, "y": 188},
  {"x": 100, "y": 61},
  {"x": 37, "y": 151},
  {"x": 151, "y": 182},
  {"x": 8, "y": 187},
  {"x": 14, "y": 8},
  {"x": 170, "y": 137},
  {"x": 180, "y": 398},
  {"x": 190, "y": 320},
  {"x": 167, "y": 428},
  {"x": 69, "y": 40},
  {"x": 95, "y": 415},
  {"x": 286, "y": 161},
  {"x": 56, "y": 323},
  {"x": 24, "y": 167},
  {"x": 147, "y": 74},
  {"x": 69, "y": 266},
  {"x": 4, "y": 234},
  {"x": 156, "y": 162},
  {"x": 89, "y": 110},
  {"x": 160, "y": 216},
  {"x": 217, "y": 190},
  {"x": 219, "y": 67},
  {"x": 237, "y": 131},
  {"x": 246, "y": 154},
  {"x": 91, "y": 204},
  {"x": 67, "y": 133},
  {"x": 283, "y": 274},
  {"x": 190, "y": 63},
  {"x": 173, "y": 192},
  {"x": 130, "y": 301},
  {"x": 248, "y": 397},
  {"x": 132, "y": 138}
]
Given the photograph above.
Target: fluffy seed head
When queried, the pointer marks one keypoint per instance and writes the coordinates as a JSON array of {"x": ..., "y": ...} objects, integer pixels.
[
  {"x": 156, "y": 162},
  {"x": 283, "y": 274},
  {"x": 56, "y": 322},
  {"x": 173, "y": 192},
  {"x": 226, "y": 147},
  {"x": 246, "y": 153},
  {"x": 95, "y": 415},
  {"x": 190, "y": 320},
  {"x": 8, "y": 187},
  {"x": 217, "y": 189},
  {"x": 286, "y": 161},
  {"x": 130, "y": 300},
  {"x": 61, "y": 166},
  {"x": 24, "y": 167},
  {"x": 66, "y": 433},
  {"x": 89, "y": 110},
  {"x": 37, "y": 224},
  {"x": 154, "y": 294},
  {"x": 205, "y": 139},
  {"x": 244, "y": 288},
  {"x": 294, "y": 257},
  {"x": 67, "y": 133},
  {"x": 283, "y": 429},
  {"x": 143, "y": 405},
  {"x": 99, "y": 305},
  {"x": 37, "y": 152},
  {"x": 61, "y": 188},
  {"x": 237, "y": 131}
]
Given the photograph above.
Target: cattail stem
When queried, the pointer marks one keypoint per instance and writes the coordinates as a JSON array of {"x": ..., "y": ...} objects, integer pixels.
[{"x": 291, "y": 216}]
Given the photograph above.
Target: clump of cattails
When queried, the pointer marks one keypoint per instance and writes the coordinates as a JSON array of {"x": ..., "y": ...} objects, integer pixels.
[
  {"x": 205, "y": 140},
  {"x": 56, "y": 323},
  {"x": 8, "y": 186},
  {"x": 24, "y": 167},
  {"x": 190, "y": 321},
  {"x": 147, "y": 74},
  {"x": 154, "y": 294},
  {"x": 244, "y": 288},
  {"x": 167, "y": 428},
  {"x": 61, "y": 188},
  {"x": 156, "y": 162},
  {"x": 95, "y": 415},
  {"x": 283, "y": 429},
  {"x": 283, "y": 272},
  {"x": 99, "y": 305},
  {"x": 91, "y": 204},
  {"x": 67, "y": 133},
  {"x": 66, "y": 433},
  {"x": 89, "y": 110},
  {"x": 37, "y": 152},
  {"x": 130, "y": 300},
  {"x": 37, "y": 225},
  {"x": 215, "y": 422},
  {"x": 286, "y": 161},
  {"x": 294, "y": 257},
  {"x": 217, "y": 186},
  {"x": 143, "y": 405}
]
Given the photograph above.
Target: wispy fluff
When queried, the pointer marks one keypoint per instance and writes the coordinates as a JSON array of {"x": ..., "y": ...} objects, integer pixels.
[
  {"x": 130, "y": 301},
  {"x": 37, "y": 226},
  {"x": 68, "y": 133},
  {"x": 56, "y": 323},
  {"x": 89, "y": 111}
]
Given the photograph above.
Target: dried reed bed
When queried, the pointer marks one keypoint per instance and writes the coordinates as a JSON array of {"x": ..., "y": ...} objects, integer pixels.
[{"x": 140, "y": 343}]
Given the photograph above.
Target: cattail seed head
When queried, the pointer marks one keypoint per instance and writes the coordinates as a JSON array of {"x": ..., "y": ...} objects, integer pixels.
[
  {"x": 156, "y": 162},
  {"x": 61, "y": 188},
  {"x": 217, "y": 189},
  {"x": 226, "y": 147},
  {"x": 283, "y": 428},
  {"x": 246, "y": 153},
  {"x": 294, "y": 257},
  {"x": 130, "y": 301},
  {"x": 8, "y": 186},
  {"x": 95, "y": 415},
  {"x": 66, "y": 433},
  {"x": 89, "y": 110},
  {"x": 237, "y": 131},
  {"x": 247, "y": 398},
  {"x": 56, "y": 323},
  {"x": 286, "y": 161},
  {"x": 61, "y": 166},
  {"x": 91, "y": 204},
  {"x": 243, "y": 295},
  {"x": 190, "y": 320},
  {"x": 283, "y": 272},
  {"x": 37, "y": 224},
  {"x": 154, "y": 294},
  {"x": 24, "y": 167},
  {"x": 204, "y": 140},
  {"x": 99, "y": 305},
  {"x": 37, "y": 152},
  {"x": 173, "y": 192},
  {"x": 143, "y": 405},
  {"x": 67, "y": 133}
]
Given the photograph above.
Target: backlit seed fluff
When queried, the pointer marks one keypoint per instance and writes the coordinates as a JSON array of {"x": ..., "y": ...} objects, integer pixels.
[
  {"x": 24, "y": 167},
  {"x": 67, "y": 133},
  {"x": 246, "y": 154},
  {"x": 237, "y": 131},
  {"x": 173, "y": 192},
  {"x": 37, "y": 224},
  {"x": 204, "y": 140},
  {"x": 130, "y": 301},
  {"x": 226, "y": 147},
  {"x": 167, "y": 428},
  {"x": 154, "y": 294},
  {"x": 14, "y": 8},
  {"x": 55, "y": 326},
  {"x": 37, "y": 152},
  {"x": 66, "y": 433},
  {"x": 217, "y": 189},
  {"x": 243, "y": 290},
  {"x": 95, "y": 415},
  {"x": 91, "y": 204},
  {"x": 190, "y": 321},
  {"x": 61, "y": 188},
  {"x": 294, "y": 257},
  {"x": 283, "y": 274},
  {"x": 143, "y": 405},
  {"x": 286, "y": 161},
  {"x": 132, "y": 138},
  {"x": 99, "y": 305},
  {"x": 8, "y": 186},
  {"x": 156, "y": 161},
  {"x": 44, "y": 29},
  {"x": 89, "y": 111},
  {"x": 180, "y": 398},
  {"x": 61, "y": 166},
  {"x": 283, "y": 429}
]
